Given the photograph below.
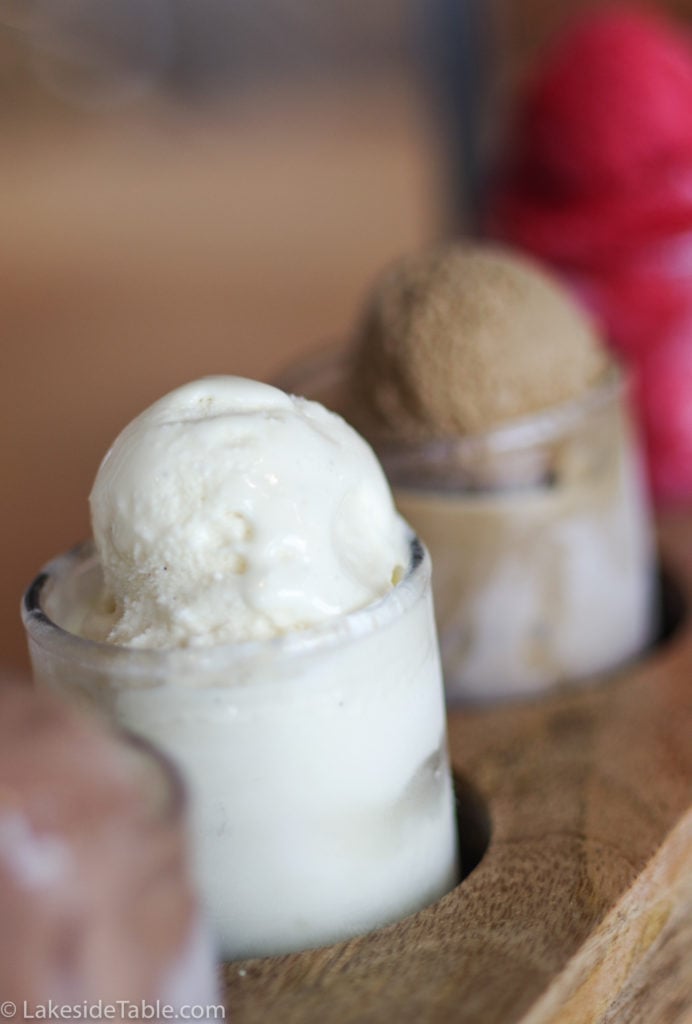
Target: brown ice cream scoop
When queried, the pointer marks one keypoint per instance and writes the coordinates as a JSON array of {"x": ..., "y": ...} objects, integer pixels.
[
  {"x": 94, "y": 894},
  {"x": 463, "y": 338}
]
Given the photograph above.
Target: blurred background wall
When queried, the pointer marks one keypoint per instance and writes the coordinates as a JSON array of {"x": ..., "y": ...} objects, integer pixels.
[{"x": 208, "y": 186}]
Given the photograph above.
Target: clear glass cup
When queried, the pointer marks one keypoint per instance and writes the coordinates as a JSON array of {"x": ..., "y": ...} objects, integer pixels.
[
  {"x": 539, "y": 531},
  {"x": 96, "y": 896},
  {"x": 190, "y": 977},
  {"x": 317, "y": 761}
]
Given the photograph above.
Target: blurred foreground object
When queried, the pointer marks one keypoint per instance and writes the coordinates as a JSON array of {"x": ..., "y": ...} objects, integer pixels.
[
  {"x": 599, "y": 184},
  {"x": 95, "y": 898}
]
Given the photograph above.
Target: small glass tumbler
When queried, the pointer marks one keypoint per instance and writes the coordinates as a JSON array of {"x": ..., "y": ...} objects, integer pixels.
[
  {"x": 317, "y": 761},
  {"x": 96, "y": 897},
  {"x": 539, "y": 531}
]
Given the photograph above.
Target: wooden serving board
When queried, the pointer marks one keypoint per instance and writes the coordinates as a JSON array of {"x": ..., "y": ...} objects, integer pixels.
[{"x": 577, "y": 810}]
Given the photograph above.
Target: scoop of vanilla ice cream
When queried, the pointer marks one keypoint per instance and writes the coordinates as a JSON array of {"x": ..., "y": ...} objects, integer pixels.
[{"x": 229, "y": 511}]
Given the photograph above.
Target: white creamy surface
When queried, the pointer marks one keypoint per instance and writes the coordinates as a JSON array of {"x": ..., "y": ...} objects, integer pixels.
[
  {"x": 229, "y": 510},
  {"x": 322, "y": 802},
  {"x": 315, "y": 755},
  {"x": 320, "y": 789}
]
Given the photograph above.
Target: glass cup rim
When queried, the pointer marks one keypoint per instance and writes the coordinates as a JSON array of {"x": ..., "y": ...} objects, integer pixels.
[
  {"x": 154, "y": 664},
  {"x": 531, "y": 430}
]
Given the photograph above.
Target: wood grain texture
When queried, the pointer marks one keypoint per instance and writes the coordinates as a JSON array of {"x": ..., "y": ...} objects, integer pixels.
[{"x": 580, "y": 911}]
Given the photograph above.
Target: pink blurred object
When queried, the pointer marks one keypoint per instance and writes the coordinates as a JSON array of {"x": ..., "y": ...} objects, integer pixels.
[{"x": 600, "y": 187}]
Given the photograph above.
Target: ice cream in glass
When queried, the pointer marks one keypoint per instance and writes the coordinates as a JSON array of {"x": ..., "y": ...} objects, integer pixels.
[
  {"x": 255, "y": 605},
  {"x": 501, "y": 421}
]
